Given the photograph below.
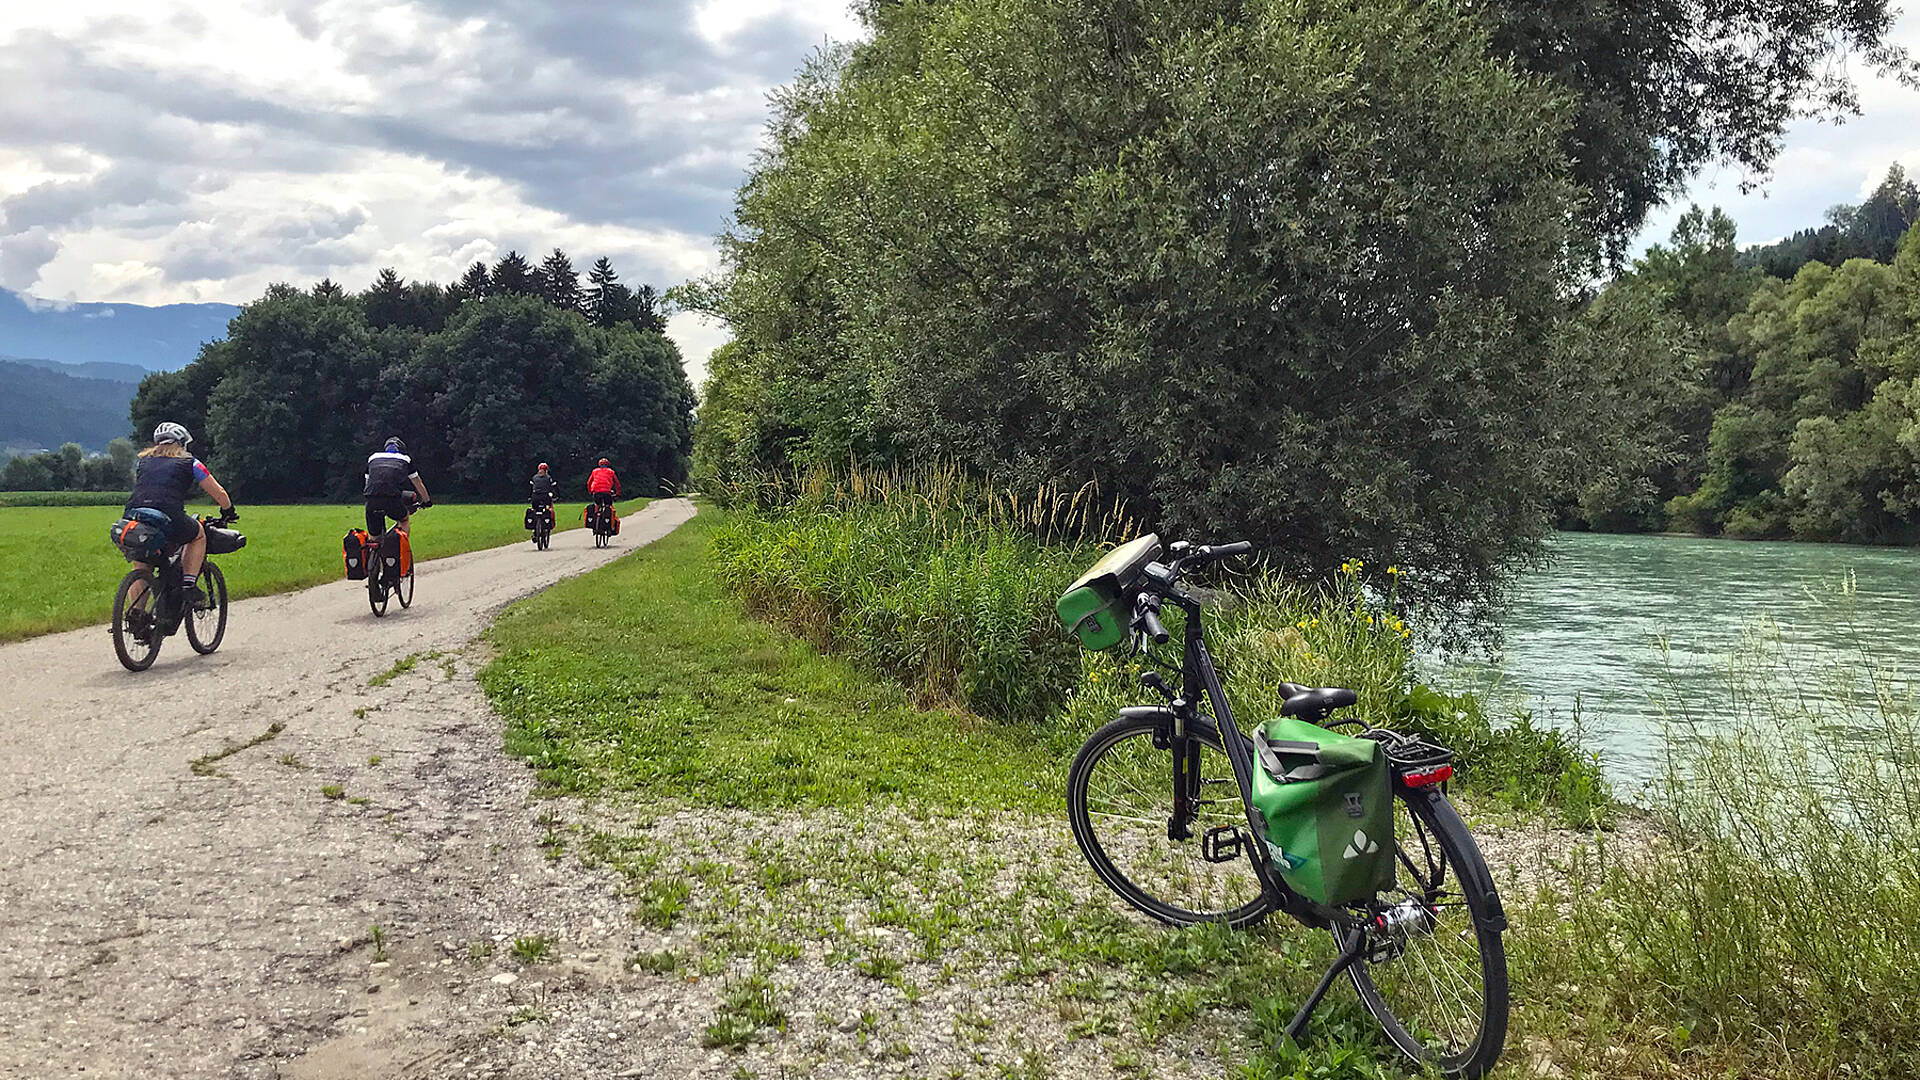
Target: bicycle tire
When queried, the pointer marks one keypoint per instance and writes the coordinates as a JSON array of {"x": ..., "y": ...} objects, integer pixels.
[
  {"x": 1239, "y": 901},
  {"x": 214, "y": 585},
  {"x": 376, "y": 594},
  {"x": 133, "y": 655},
  {"x": 404, "y": 590},
  {"x": 1466, "y": 1054}
]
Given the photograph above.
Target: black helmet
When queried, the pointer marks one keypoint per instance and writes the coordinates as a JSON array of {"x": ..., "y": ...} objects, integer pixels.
[{"x": 395, "y": 446}]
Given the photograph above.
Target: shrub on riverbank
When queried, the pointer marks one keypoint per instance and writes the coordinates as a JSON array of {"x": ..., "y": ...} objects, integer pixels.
[{"x": 947, "y": 585}]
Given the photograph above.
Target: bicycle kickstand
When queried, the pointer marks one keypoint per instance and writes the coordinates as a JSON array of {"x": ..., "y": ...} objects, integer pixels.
[{"x": 1350, "y": 951}]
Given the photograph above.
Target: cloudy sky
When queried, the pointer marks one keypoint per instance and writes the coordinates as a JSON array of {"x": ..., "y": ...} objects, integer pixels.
[{"x": 164, "y": 150}]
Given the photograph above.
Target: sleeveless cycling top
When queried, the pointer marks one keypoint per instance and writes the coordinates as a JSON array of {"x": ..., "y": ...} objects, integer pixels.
[{"x": 165, "y": 482}]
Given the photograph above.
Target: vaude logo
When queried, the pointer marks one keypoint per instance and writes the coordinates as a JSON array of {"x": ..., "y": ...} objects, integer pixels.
[
  {"x": 1361, "y": 845},
  {"x": 1354, "y": 807}
]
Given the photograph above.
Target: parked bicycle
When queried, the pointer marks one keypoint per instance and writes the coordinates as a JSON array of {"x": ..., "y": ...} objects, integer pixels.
[
  {"x": 1166, "y": 804},
  {"x": 146, "y": 615}
]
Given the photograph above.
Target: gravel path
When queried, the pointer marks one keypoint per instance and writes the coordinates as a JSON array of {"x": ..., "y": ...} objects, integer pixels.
[{"x": 166, "y": 911}]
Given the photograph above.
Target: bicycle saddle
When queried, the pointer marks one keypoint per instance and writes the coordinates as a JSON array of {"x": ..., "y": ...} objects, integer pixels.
[{"x": 1314, "y": 701}]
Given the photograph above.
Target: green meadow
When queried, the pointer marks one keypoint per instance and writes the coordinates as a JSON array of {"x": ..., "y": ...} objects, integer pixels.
[{"x": 58, "y": 570}]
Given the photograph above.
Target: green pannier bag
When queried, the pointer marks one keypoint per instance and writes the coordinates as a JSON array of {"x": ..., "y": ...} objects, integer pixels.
[
  {"x": 1094, "y": 606},
  {"x": 1328, "y": 810}
]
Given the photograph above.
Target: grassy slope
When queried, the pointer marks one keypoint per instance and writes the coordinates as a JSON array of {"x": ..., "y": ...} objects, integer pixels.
[
  {"x": 647, "y": 677},
  {"x": 58, "y": 570}
]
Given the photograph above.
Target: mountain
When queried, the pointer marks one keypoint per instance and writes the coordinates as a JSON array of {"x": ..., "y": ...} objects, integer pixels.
[
  {"x": 127, "y": 373},
  {"x": 41, "y": 406},
  {"x": 150, "y": 338}
]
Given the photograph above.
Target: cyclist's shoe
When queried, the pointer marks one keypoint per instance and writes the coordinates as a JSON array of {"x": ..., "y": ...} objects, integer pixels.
[
  {"x": 140, "y": 625},
  {"x": 201, "y": 601}
]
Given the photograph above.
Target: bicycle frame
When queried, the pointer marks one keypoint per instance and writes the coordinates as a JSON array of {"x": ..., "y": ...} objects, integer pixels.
[{"x": 1198, "y": 670}]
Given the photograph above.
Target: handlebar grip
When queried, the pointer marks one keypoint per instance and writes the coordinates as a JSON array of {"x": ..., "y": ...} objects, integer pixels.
[
  {"x": 1150, "y": 621},
  {"x": 1228, "y": 551}
]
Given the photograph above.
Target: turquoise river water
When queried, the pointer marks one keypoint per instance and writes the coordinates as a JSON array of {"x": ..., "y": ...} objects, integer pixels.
[{"x": 1588, "y": 626}]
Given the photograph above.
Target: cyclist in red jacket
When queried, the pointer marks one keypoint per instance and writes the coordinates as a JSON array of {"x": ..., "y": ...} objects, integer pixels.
[{"x": 603, "y": 485}]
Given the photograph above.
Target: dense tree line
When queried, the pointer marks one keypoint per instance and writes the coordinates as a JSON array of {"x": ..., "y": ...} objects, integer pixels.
[
  {"x": 1769, "y": 407},
  {"x": 483, "y": 379},
  {"x": 1260, "y": 269},
  {"x": 70, "y": 468}
]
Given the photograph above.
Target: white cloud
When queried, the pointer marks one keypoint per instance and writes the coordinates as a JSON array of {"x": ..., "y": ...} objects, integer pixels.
[{"x": 183, "y": 150}]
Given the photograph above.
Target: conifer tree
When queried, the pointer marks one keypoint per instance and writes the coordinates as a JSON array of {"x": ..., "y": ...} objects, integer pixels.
[
  {"x": 512, "y": 276},
  {"x": 474, "y": 284},
  {"x": 560, "y": 283}
]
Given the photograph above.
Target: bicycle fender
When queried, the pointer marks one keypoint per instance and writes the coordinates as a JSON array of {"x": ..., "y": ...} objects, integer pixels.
[{"x": 1496, "y": 911}]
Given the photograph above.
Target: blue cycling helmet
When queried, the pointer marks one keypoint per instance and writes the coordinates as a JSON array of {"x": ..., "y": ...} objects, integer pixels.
[{"x": 395, "y": 446}]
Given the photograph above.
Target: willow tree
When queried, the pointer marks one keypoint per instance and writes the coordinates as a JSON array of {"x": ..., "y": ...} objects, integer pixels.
[{"x": 1262, "y": 269}]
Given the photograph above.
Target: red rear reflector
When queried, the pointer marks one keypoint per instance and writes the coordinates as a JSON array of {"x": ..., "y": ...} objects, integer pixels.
[{"x": 1428, "y": 777}]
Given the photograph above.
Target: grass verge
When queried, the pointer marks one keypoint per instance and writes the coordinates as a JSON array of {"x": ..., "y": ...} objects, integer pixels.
[
  {"x": 58, "y": 570},
  {"x": 646, "y": 676},
  {"x": 865, "y": 881}
]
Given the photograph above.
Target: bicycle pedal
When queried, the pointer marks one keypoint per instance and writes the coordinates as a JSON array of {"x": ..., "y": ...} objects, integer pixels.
[{"x": 1223, "y": 845}]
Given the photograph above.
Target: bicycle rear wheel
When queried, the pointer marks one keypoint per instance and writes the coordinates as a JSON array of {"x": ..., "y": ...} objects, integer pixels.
[
  {"x": 1435, "y": 974},
  {"x": 1120, "y": 802},
  {"x": 404, "y": 590},
  {"x": 136, "y": 635},
  {"x": 206, "y": 628},
  {"x": 376, "y": 594}
]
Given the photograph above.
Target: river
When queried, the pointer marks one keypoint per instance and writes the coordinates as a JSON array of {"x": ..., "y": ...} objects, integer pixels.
[{"x": 1587, "y": 625}]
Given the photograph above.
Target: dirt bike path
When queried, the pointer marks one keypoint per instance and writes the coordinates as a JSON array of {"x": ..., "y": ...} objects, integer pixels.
[{"x": 169, "y": 912}]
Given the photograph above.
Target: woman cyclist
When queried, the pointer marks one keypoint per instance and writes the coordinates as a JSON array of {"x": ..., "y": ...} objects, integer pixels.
[{"x": 163, "y": 478}]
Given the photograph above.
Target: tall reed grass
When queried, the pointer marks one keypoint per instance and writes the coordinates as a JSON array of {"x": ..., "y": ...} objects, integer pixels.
[
  {"x": 1774, "y": 927},
  {"x": 947, "y": 584}
]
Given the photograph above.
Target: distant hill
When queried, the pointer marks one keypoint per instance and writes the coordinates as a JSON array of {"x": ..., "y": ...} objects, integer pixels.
[
  {"x": 151, "y": 338},
  {"x": 127, "y": 373},
  {"x": 41, "y": 406}
]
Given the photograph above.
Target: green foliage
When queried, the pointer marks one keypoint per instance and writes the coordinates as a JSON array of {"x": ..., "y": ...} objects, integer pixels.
[
  {"x": 69, "y": 469},
  {"x": 934, "y": 581},
  {"x": 1060, "y": 241},
  {"x": 1661, "y": 88},
  {"x": 1791, "y": 416},
  {"x": 306, "y": 384},
  {"x": 943, "y": 585}
]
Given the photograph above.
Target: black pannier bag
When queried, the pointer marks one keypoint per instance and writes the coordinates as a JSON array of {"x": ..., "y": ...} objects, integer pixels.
[
  {"x": 353, "y": 551},
  {"x": 223, "y": 541}
]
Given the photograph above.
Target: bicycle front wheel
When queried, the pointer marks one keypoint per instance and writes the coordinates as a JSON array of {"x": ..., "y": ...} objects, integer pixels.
[
  {"x": 136, "y": 637},
  {"x": 207, "y": 618},
  {"x": 1120, "y": 803},
  {"x": 1435, "y": 972}
]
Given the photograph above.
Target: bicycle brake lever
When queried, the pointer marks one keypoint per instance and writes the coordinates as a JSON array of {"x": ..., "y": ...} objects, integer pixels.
[{"x": 1152, "y": 681}]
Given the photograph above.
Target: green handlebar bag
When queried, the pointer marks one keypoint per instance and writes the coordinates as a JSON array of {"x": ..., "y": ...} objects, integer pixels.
[{"x": 1328, "y": 810}]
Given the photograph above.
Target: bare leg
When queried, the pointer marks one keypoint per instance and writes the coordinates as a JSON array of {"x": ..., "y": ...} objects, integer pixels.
[
  {"x": 139, "y": 587},
  {"x": 194, "y": 554}
]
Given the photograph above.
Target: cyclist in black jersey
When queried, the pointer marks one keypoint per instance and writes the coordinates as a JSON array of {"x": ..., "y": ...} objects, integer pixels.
[
  {"x": 543, "y": 487},
  {"x": 165, "y": 475},
  {"x": 390, "y": 480}
]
